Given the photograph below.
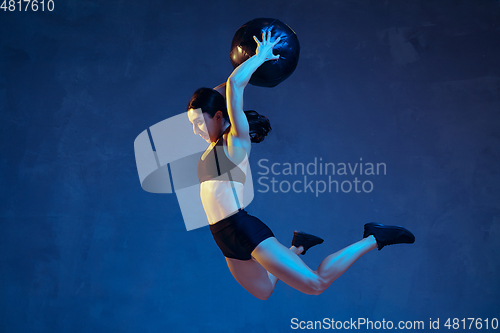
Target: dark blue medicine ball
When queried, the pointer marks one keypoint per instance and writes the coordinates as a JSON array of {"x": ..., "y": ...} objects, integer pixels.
[{"x": 272, "y": 72}]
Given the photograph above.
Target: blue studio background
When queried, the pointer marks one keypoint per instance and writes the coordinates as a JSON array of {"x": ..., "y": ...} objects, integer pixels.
[{"x": 412, "y": 84}]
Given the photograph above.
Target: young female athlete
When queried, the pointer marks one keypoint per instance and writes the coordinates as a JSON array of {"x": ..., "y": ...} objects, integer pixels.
[{"x": 254, "y": 256}]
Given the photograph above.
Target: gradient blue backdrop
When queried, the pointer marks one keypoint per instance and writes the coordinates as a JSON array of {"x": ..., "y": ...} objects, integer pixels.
[{"x": 413, "y": 84}]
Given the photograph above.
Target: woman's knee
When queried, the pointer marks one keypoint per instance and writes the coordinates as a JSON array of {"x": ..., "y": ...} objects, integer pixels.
[
  {"x": 315, "y": 285},
  {"x": 263, "y": 294}
]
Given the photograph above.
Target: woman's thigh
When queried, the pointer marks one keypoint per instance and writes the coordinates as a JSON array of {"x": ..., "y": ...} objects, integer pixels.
[
  {"x": 287, "y": 266},
  {"x": 251, "y": 276}
]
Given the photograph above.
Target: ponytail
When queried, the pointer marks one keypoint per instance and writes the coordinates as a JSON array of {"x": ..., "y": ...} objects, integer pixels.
[{"x": 259, "y": 126}]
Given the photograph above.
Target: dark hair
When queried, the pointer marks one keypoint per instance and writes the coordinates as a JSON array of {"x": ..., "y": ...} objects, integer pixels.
[{"x": 211, "y": 101}]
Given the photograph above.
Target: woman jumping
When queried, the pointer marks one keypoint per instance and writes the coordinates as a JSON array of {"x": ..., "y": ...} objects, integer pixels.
[{"x": 254, "y": 256}]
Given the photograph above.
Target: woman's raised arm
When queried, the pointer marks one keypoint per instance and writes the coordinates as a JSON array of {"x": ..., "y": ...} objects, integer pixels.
[{"x": 238, "y": 80}]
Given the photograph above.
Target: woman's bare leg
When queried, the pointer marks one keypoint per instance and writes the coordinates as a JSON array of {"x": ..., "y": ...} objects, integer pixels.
[
  {"x": 288, "y": 267},
  {"x": 337, "y": 263},
  {"x": 253, "y": 277},
  {"x": 297, "y": 251}
]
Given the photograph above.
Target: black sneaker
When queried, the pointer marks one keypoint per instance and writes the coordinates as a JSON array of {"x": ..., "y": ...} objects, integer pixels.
[
  {"x": 388, "y": 234},
  {"x": 305, "y": 240}
]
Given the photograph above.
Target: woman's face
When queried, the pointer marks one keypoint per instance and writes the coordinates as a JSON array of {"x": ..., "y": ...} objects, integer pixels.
[{"x": 203, "y": 125}]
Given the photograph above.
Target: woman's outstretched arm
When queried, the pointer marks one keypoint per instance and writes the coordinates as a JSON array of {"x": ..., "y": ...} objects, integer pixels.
[{"x": 238, "y": 80}]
